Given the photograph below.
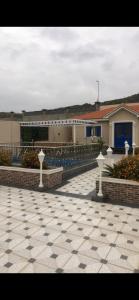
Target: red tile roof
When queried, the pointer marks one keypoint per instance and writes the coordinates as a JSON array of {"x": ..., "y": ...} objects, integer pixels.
[
  {"x": 100, "y": 114},
  {"x": 134, "y": 108},
  {"x": 95, "y": 114}
]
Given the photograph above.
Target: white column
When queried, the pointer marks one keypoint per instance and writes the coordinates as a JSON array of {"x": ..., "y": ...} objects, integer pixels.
[
  {"x": 133, "y": 146},
  {"x": 41, "y": 184},
  {"x": 74, "y": 134},
  {"x": 134, "y": 132},
  {"x": 111, "y": 138},
  {"x": 100, "y": 184},
  {"x": 92, "y": 131}
]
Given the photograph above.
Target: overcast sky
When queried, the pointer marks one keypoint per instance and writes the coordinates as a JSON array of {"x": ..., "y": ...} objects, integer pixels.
[{"x": 50, "y": 67}]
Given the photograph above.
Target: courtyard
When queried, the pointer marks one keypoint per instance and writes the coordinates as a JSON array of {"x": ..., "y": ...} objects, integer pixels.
[{"x": 64, "y": 231}]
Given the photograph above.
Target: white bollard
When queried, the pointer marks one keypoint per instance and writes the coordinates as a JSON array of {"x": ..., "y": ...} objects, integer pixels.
[
  {"x": 109, "y": 152},
  {"x": 126, "y": 148},
  {"x": 109, "y": 156}
]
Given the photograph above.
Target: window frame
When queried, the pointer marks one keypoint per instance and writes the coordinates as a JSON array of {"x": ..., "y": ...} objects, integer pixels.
[{"x": 94, "y": 127}]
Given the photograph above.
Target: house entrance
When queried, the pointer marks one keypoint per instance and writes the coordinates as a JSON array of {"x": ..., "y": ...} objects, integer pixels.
[{"x": 122, "y": 133}]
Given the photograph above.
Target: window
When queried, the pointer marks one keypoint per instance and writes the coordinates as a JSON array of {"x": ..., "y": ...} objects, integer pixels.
[
  {"x": 34, "y": 133},
  {"x": 97, "y": 131},
  {"x": 88, "y": 131}
]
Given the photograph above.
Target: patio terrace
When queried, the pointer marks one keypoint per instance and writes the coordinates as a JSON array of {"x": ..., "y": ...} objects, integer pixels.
[{"x": 63, "y": 231}]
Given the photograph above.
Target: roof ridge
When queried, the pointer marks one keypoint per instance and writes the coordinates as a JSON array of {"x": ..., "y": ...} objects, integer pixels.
[{"x": 100, "y": 114}]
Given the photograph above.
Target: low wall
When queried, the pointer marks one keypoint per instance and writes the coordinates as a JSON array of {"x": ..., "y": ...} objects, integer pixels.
[
  {"x": 119, "y": 190},
  {"x": 29, "y": 178}
]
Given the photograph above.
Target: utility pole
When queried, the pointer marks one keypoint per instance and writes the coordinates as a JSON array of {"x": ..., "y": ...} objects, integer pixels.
[{"x": 98, "y": 90}]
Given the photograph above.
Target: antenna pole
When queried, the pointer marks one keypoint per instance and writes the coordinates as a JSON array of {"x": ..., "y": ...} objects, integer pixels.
[{"x": 98, "y": 90}]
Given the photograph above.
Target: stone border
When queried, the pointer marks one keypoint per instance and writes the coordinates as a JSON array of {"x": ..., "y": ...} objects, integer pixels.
[
  {"x": 29, "y": 178},
  {"x": 119, "y": 190}
]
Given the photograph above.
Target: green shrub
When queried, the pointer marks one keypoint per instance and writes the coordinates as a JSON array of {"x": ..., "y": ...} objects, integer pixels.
[
  {"x": 30, "y": 160},
  {"x": 127, "y": 168},
  {"x": 5, "y": 158},
  {"x": 101, "y": 143}
]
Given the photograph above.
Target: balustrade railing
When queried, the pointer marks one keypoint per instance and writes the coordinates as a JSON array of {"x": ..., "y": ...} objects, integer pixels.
[{"x": 72, "y": 152}]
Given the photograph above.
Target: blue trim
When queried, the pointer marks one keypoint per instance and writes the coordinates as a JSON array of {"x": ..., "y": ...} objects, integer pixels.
[{"x": 98, "y": 131}]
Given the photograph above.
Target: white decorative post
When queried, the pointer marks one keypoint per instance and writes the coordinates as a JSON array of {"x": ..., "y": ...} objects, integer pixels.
[
  {"x": 109, "y": 155},
  {"x": 126, "y": 148},
  {"x": 41, "y": 156},
  {"x": 133, "y": 146},
  {"x": 100, "y": 160}
]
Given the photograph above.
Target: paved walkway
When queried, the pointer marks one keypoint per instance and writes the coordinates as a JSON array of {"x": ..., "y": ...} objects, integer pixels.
[
  {"x": 84, "y": 184},
  {"x": 46, "y": 232},
  {"x": 81, "y": 185}
]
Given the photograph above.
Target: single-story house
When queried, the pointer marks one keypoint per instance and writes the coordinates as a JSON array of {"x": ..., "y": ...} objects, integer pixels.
[
  {"x": 56, "y": 131},
  {"x": 115, "y": 125},
  {"x": 53, "y": 131}
]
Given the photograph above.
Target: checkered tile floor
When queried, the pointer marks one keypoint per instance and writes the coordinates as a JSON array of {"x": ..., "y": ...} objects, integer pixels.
[
  {"x": 86, "y": 182},
  {"x": 51, "y": 233},
  {"x": 82, "y": 184}
]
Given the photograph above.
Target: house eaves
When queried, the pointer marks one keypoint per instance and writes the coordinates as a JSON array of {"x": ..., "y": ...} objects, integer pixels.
[{"x": 101, "y": 120}]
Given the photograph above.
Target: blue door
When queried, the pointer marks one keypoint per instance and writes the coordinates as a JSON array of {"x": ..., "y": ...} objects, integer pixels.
[{"x": 122, "y": 133}]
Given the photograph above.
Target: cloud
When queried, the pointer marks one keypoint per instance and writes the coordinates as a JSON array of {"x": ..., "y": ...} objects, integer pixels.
[
  {"x": 54, "y": 66},
  {"x": 59, "y": 34},
  {"x": 80, "y": 53}
]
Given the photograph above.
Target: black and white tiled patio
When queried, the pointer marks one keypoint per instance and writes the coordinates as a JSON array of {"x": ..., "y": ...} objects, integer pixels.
[{"x": 54, "y": 232}]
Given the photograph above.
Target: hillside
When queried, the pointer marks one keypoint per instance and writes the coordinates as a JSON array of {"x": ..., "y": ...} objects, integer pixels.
[
  {"x": 86, "y": 107},
  {"x": 68, "y": 111},
  {"x": 130, "y": 99}
]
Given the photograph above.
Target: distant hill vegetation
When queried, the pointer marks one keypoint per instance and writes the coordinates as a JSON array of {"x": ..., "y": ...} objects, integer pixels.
[
  {"x": 86, "y": 107},
  {"x": 130, "y": 99},
  {"x": 67, "y": 111}
]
